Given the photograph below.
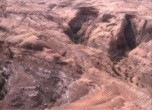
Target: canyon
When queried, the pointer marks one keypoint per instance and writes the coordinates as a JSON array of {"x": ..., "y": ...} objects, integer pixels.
[{"x": 75, "y": 55}]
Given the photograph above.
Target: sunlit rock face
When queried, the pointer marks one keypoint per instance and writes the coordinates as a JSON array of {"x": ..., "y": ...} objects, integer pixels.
[{"x": 76, "y": 55}]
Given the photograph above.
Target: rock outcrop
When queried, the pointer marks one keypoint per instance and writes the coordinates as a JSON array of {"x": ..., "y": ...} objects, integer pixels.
[{"x": 76, "y": 55}]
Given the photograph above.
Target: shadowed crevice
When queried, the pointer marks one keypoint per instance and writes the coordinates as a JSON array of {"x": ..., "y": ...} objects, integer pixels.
[
  {"x": 84, "y": 15},
  {"x": 126, "y": 41},
  {"x": 129, "y": 33}
]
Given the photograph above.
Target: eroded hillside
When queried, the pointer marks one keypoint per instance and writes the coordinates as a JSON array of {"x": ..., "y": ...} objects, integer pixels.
[{"x": 76, "y": 55}]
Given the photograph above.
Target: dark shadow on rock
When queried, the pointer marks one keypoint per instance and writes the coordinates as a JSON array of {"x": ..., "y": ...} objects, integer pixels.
[
  {"x": 84, "y": 15},
  {"x": 126, "y": 41},
  {"x": 129, "y": 33}
]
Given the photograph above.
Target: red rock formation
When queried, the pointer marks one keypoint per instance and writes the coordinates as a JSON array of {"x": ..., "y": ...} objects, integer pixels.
[{"x": 76, "y": 55}]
